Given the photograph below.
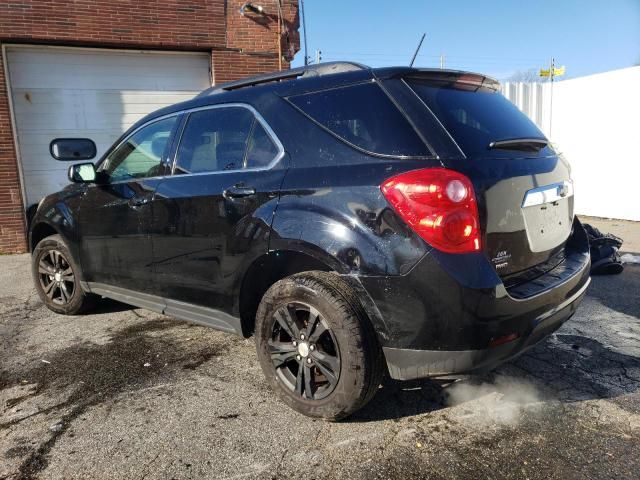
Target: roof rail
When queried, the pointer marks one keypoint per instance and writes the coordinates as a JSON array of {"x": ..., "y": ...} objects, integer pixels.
[{"x": 320, "y": 69}]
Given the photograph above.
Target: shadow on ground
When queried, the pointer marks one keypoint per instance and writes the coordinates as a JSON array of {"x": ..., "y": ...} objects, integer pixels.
[
  {"x": 564, "y": 367},
  {"x": 619, "y": 292},
  {"x": 106, "y": 305}
]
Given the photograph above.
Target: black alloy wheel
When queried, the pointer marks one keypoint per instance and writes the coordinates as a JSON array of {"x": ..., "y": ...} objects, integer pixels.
[
  {"x": 316, "y": 345},
  {"x": 56, "y": 277},
  {"x": 304, "y": 351}
]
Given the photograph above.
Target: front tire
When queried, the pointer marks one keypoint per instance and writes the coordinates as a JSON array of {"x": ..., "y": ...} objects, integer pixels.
[
  {"x": 57, "y": 278},
  {"x": 317, "y": 347}
]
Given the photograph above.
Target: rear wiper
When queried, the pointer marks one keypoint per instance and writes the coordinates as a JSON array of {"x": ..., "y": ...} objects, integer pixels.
[{"x": 523, "y": 144}]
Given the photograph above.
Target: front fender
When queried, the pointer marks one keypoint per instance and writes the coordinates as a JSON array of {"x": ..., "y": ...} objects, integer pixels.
[{"x": 58, "y": 212}]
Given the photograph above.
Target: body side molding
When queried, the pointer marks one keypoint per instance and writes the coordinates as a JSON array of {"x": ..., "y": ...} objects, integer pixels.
[{"x": 207, "y": 317}]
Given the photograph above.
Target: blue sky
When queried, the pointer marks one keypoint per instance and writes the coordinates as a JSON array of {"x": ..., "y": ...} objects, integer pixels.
[{"x": 495, "y": 37}]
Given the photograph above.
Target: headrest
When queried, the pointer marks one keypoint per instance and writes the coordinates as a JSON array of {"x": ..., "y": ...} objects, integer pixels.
[
  {"x": 229, "y": 152},
  {"x": 158, "y": 145}
]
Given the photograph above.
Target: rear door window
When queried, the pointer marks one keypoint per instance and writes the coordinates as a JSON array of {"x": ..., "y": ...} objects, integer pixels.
[
  {"x": 363, "y": 116},
  {"x": 261, "y": 150},
  {"x": 475, "y": 116},
  {"x": 224, "y": 138},
  {"x": 214, "y": 140}
]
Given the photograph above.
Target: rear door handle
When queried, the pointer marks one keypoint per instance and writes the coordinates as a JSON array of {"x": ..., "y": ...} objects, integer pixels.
[
  {"x": 139, "y": 201},
  {"x": 239, "y": 191}
]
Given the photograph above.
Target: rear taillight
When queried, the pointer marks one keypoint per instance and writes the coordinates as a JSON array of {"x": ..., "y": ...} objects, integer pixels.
[{"x": 439, "y": 205}]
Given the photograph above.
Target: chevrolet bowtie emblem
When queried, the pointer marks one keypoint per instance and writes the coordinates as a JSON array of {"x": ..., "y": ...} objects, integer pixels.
[{"x": 563, "y": 190}]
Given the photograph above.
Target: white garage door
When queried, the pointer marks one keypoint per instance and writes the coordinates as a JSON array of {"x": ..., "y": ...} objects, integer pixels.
[{"x": 89, "y": 93}]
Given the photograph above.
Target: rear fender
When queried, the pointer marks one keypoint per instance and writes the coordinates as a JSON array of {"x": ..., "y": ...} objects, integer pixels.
[{"x": 361, "y": 242}]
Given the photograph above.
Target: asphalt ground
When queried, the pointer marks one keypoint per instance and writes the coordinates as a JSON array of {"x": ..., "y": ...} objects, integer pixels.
[{"x": 126, "y": 393}]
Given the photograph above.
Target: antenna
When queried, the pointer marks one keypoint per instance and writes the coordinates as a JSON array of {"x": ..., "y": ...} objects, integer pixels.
[
  {"x": 304, "y": 30},
  {"x": 417, "y": 50}
]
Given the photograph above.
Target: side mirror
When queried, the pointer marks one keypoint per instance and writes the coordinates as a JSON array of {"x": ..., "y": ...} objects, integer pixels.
[
  {"x": 72, "y": 149},
  {"x": 82, "y": 173}
]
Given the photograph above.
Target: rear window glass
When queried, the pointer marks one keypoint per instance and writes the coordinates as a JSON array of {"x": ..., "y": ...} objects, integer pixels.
[
  {"x": 364, "y": 116},
  {"x": 475, "y": 117},
  {"x": 261, "y": 150}
]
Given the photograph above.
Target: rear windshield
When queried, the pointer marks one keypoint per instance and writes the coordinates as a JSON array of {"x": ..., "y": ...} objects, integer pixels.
[
  {"x": 363, "y": 116},
  {"x": 475, "y": 116}
]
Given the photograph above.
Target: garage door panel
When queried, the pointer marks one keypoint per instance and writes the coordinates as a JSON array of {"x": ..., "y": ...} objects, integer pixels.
[
  {"x": 76, "y": 93},
  {"x": 26, "y": 98},
  {"x": 93, "y": 100},
  {"x": 39, "y": 140},
  {"x": 42, "y": 181},
  {"x": 76, "y": 78},
  {"x": 108, "y": 70},
  {"x": 88, "y": 109},
  {"x": 78, "y": 121}
]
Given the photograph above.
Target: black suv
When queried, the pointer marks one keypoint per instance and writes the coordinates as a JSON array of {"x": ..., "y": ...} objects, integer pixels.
[{"x": 356, "y": 221}]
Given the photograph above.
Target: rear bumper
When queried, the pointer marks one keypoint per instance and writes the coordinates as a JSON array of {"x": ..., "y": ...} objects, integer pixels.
[
  {"x": 451, "y": 314},
  {"x": 407, "y": 364}
]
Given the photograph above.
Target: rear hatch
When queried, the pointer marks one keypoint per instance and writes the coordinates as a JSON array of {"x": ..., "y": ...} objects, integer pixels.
[{"x": 523, "y": 187}]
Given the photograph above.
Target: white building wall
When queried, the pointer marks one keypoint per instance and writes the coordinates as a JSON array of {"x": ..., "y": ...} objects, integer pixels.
[{"x": 594, "y": 123}]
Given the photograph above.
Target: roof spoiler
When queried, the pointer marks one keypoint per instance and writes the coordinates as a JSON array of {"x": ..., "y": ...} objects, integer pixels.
[{"x": 453, "y": 77}]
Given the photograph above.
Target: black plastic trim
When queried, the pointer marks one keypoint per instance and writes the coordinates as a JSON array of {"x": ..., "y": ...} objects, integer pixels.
[{"x": 207, "y": 317}]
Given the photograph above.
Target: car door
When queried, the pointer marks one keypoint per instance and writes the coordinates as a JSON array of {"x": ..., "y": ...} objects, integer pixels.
[
  {"x": 115, "y": 213},
  {"x": 212, "y": 217}
]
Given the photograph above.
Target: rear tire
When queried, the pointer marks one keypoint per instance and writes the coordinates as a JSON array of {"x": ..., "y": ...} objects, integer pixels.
[
  {"x": 57, "y": 278},
  {"x": 317, "y": 347}
]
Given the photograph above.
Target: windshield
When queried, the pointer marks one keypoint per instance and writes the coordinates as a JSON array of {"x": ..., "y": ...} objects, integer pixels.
[{"x": 475, "y": 116}]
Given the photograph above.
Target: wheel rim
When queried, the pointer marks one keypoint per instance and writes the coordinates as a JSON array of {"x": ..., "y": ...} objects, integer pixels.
[
  {"x": 304, "y": 351},
  {"x": 56, "y": 277}
]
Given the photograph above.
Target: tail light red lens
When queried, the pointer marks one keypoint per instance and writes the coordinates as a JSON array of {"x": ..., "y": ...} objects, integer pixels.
[{"x": 439, "y": 205}]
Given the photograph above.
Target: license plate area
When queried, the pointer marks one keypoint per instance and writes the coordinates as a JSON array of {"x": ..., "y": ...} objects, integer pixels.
[{"x": 548, "y": 216}]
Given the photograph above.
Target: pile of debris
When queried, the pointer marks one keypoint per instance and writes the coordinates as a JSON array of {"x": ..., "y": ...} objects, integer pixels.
[{"x": 604, "y": 247}]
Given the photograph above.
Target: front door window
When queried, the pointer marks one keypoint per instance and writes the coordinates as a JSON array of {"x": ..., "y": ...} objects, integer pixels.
[{"x": 140, "y": 155}]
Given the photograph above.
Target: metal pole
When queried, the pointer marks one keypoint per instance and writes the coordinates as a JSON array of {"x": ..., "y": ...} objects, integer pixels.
[
  {"x": 279, "y": 36},
  {"x": 442, "y": 61},
  {"x": 304, "y": 30},
  {"x": 551, "y": 95}
]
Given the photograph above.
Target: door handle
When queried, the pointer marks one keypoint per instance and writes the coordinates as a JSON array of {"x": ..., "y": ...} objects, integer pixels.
[
  {"x": 238, "y": 191},
  {"x": 139, "y": 201}
]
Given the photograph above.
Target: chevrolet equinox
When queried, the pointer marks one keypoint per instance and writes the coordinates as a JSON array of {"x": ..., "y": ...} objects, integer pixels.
[{"x": 355, "y": 221}]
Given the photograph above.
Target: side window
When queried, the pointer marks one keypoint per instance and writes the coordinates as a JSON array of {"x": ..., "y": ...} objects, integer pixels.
[
  {"x": 261, "y": 149},
  {"x": 362, "y": 115},
  {"x": 214, "y": 140},
  {"x": 141, "y": 154}
]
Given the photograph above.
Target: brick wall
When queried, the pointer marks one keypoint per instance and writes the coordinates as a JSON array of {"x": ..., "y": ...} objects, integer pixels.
[
  {"x": 240, "y": 46},
  {"x": 252, "y": 39},
  {"x": 121, "y": 23}
]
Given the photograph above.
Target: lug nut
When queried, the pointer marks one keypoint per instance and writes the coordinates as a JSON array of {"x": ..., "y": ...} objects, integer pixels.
[
  {"x": 302, "y": 336},
  {"x": 295, "y": 344},
  {"x": 298, "y": 357},
  {"x": 308, "y": 360},
  {"x": 312, "y": 347}
]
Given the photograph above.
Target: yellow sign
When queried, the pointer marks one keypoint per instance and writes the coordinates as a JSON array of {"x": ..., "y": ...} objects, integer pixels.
[{"x": 546, "y": 72}]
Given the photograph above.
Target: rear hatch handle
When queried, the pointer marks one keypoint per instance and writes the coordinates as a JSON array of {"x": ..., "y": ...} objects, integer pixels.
[{"x": 548, "y": 194}]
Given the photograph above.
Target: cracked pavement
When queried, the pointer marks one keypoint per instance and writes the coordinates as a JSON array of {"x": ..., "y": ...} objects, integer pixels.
[{"x": 126, "y": 393}]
